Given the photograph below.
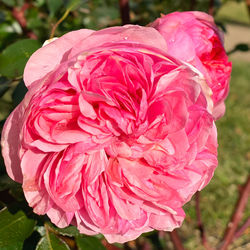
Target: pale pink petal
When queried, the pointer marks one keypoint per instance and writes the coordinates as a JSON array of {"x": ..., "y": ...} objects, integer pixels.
[
  {"x": 45, "y": 59},
  {"x": 132, "y": 235},
  {"x": 11, "y": 145},
  {"x": 39, "y": 201},
  {"x": 128, "y": 33},
  {"x": 167, "y": 222},
  {"x": 59, "y": 217}
]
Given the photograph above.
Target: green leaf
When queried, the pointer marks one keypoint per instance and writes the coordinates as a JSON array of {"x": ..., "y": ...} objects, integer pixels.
[
  {"x": 89, "y": 243},
  {"x": 54, "y": 6},
  {"x": 15, "y": 246},
  {"x": 73, "y": 4},
  {"x": 67, "y": 231},
  {"x": 14, "y": 228},
  {"x": 41, "y": 230},
  {"x": 10, "y": 3},
  {"x": 51, "y": 242},
  {"x": 15, "y": 56}
]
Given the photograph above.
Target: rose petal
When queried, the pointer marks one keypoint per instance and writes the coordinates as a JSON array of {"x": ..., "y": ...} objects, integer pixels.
[
  {"x": 10, "y": 144},
  {"x": 45, "y": 59},
  {"x": 128, "y": 33}
]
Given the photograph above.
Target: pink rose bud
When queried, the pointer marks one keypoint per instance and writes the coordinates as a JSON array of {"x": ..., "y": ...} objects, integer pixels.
[
  {"x": 113, "y": 136},
  {"x": 193, "y": 37}
]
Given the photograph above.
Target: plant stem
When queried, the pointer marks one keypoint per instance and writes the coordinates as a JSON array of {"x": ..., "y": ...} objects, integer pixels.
[
  {"x": 236, "y": 217},
  {"x": 124, "y": 11},
  {"x": 199, "y": 222},
  {"x": 242, "y": 229},
  {"x": 19, "y": 14},
  {"x": 58, "y": 22},
  {"x": 176, "y": 240},
  {"x": 211, "y": 8},
  {"x": 248, "y": 6}
]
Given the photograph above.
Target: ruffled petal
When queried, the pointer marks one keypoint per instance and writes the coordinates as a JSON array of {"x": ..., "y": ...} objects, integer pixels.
[{"x": 45, "y": 59}]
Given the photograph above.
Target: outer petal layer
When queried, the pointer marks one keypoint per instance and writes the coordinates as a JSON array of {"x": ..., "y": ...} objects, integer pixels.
[
  {"x": 51, "y": 55},
  {"x": 10, "y": 144}
]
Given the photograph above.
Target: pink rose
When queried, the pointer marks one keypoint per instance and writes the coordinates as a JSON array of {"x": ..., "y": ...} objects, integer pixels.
[
  {"x": 113, "y": 136},
  {"x": 194, "y": 38}
]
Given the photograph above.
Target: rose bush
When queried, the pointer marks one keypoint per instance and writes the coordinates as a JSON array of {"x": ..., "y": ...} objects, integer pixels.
[
  {"x": 193, "y": 37},
  {"x": 114, "y": 135}
]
